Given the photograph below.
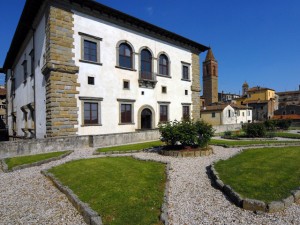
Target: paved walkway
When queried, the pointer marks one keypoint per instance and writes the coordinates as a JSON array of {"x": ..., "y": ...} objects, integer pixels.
[{"x": 27, "y": 197}]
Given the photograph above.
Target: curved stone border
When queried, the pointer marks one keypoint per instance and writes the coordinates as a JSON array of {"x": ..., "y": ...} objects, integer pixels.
[
  {"x": 252, "y": 204},
  {"x": 183, "y": 154},
  {"x": 258, "y": 145},
  {"x": 164, "y": 207},
  {"x": 89, "y": 215},
  {"x": 6, "y": 170},
  {"x": 154, "y": 149}
]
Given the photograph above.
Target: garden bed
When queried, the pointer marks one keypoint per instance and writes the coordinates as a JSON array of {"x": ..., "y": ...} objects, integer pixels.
[{"x": 181, "y": 152}]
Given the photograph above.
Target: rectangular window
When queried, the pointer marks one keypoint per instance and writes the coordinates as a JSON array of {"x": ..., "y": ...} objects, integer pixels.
[
  {"x": 186, "y": 92},
  {"x": 126, "y": 84},
  {"x": 243, "y": 114},
  {"x": 24, "y": 64},
  {"x": 90, "y": 113},
  {"x": 238, "y": 113},
  {"x": 229, "y": 113},
  {"x": 163, "y": 113},
  {"x": 91, "y": 80},
  {"x": 31, "y": 62},
  {"x": 186, "y": 112},
  {"x": 185, "y": 72},
  {"x": 249, "y": 113},
  {"x": 126, "y": 113},
  {"x": 90, "y": 51},
  {"x": 213, "y": 114},
  {"x": 164, "y": 89}
]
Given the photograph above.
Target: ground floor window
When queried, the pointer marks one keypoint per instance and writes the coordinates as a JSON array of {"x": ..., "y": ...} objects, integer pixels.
[
  {"x": 185, "y": 112},
  {"x": 91, "y": 111},
  {"x": 163, "y": 113},
  {"x": 126, "y": 112}
]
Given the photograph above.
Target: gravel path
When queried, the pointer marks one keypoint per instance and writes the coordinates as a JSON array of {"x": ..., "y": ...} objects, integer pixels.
[{"x": 27, "y": 197}]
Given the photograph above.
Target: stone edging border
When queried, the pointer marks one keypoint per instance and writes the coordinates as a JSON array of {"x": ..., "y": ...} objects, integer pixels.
[
  {"x": 183, "y": 154},
  {"x": 164, "y": 207},
  {"x": 93, "y": 218},
  {"x": 251, "y": 204},
  {"x": 89, "y": 215},
  {"x": 6, "y": 170},
  {"x": 126, "y": 152},
  {"x": 257, "y": 145}
]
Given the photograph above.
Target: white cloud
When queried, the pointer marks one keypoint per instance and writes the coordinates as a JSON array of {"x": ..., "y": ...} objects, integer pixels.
[{"x": 150, "y": 10}]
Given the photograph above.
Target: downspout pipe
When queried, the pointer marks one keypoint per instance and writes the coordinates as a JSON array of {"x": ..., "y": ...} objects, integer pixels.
[{"x": 34, "y": 80}]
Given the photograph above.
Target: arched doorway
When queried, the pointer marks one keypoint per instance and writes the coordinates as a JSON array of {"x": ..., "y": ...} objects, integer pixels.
[{"x": 146, "y": 119}]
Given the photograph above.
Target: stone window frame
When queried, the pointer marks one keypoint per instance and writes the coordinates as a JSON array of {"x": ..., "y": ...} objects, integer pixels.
[
  {"x": 128, "y": 81},
  {"x": 189, "y": 109},
  {"x": 140, "y": 58},
  {"x": 133, "y": 53},
  {"x": 25, "y": 72},
  {"x": 97, "y": 100},
  {"x": 169, "y": 65},
  {"x": 129, "y": 102},
  {"x": 97, "y": 40},
  {"x": 160, "y": 103},
  {"x": 188, "y": 65}
]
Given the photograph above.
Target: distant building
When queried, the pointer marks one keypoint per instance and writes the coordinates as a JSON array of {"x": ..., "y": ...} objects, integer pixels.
[
  {"x": 262, "y": 100},
  {"x": 221, "y": 114},
  {"x": 210, "y": 79},
  {"x": 2, "y": 107},
  {"x": 289, "y": 98},
  {"x": 227, "y": 97},
  {"x": 288, "y": 112}
]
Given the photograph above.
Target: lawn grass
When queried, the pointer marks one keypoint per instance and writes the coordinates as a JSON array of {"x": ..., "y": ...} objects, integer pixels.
[
  {"x": 138, "y": 146},
  {"x": 287, "y": 135},
  {"x": 122, "y": 190},
  {"x": 266, "y": 174},
  {"x": 233, "y": 143},
  {"x": 22, "y": 160}
]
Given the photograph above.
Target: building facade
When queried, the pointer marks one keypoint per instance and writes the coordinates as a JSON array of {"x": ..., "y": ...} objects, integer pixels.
[
  {"x": 87, "y": 69},
  {"x": 289, "y": 98},
  {"x": 2, "y": 107},
  {"x": 222, "y": 114}
]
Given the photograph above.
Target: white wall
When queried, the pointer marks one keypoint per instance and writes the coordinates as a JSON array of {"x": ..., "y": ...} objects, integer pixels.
[
  {"x": 109, "y": 79},
  {"x": 243, "y": 116},
  {"x": 24, "y": 90}
]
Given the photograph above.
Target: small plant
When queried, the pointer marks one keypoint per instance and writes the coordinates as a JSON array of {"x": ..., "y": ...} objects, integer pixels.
[
  {"x": 283, "y": 124},
  {"x": 255, "y": 130},
  {"x": 227, "y": 133},
  {"x": 204, "y": 132},
  {"x": 270, "y": 125}
]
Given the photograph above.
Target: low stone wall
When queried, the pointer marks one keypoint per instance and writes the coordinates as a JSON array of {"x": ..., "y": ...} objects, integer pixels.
[
  {"x": 36, "y": 146},
  {"x": 252, "y": 204},
  {"x": 183, "y": 154},
  {"x": 227, "y": 127}
]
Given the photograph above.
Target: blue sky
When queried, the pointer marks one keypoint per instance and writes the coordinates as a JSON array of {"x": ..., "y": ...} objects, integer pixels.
[{"x": 257, "y": 41}]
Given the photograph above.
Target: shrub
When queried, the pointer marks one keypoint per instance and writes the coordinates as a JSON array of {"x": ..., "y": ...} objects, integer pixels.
[
  {"x": 255, "y": 130},
  {"x": 227, "y": 133},
  {"x": 187, "y": 133},
  {"x": 270, "y": 125},
  {"x": 283, "y": 124}
]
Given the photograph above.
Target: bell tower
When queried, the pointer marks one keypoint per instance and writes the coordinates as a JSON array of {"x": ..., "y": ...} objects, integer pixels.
[{"x": 210, "y": 78}]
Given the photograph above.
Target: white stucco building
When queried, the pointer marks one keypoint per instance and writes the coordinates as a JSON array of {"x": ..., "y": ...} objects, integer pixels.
[
  {"x": 82, "y": 68},
  {"x": 223, "y": 114}
]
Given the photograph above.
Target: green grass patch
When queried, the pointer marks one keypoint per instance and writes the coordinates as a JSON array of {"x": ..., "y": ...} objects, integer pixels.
[
  {"x": 266, "y": 174},
  {"x": 287, "y": 135},
  {"x": 138, "y": 146},
  {"x": 122, "y": 190},
  {"x": 22, "y": 160},
  {"x": 248, "y": 143}
]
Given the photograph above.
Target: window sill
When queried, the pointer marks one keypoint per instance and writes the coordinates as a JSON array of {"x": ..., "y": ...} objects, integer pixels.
[
  {"x": 91, "y": 125},
  {"x": 125, "y": 68},
  {"x": 186, "y": 80},
  {"x": 126, "y": 123},
  {"x": 91, "y": 62},
  {"x": 165, "y": 76}
]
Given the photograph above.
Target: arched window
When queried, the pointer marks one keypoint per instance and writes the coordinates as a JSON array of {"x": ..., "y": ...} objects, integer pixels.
[
  {"x": 163, "y": 65},
  {"x": 125, "y": 56},
  {"x": 146, "y": 64}
]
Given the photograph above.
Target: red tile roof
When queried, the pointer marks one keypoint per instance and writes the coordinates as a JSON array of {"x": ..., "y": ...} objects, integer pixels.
[{"x": 285, "y": 117}]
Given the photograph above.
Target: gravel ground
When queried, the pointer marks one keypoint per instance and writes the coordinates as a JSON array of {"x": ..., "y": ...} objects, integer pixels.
[{"x": 27, "y": 197}]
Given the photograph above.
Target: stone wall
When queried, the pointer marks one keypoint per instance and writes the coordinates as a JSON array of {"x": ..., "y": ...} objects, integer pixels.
[
  {"x": 228, "y": 127},
  {"x": 60, "y": 73},
  {"x": 27, "y": 147},
  {"x": 195, "y": 87}
]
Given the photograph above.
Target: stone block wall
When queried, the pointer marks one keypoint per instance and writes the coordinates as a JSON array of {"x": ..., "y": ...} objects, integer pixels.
[
  {"x": 195, "y": 87},
  {"x": 61, "y": 73}
]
